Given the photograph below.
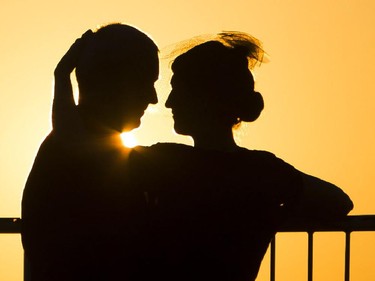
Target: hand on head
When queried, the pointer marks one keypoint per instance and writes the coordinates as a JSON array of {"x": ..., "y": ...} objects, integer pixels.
[
  {"x": 66, "y": 122},
  {"x": 70, "y": 60}
]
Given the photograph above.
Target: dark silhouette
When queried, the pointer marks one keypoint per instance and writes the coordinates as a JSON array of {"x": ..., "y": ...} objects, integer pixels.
[
  {"x": 95, "y": 211},
  {"x": 214, "y": 208},
  {"x": 74, "y": 195},
  {"x": 213, "y": 91}
]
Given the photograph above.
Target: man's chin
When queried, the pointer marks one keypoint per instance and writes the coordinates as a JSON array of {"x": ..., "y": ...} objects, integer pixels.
[{"x": 130, "y": 126}]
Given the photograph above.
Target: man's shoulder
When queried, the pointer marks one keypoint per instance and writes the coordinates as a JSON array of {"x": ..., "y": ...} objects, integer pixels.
[{"x": 47, "y": 147}]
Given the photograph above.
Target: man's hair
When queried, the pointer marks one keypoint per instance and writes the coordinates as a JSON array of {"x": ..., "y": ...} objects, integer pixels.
[{"x": 113, "y": 52}]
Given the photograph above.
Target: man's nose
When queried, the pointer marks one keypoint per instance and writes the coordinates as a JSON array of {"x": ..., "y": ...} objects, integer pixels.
[{"x": 153, "y": 96}]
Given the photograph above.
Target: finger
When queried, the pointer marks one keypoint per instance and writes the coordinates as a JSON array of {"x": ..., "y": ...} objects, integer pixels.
[{"x": 70, "y": 59}]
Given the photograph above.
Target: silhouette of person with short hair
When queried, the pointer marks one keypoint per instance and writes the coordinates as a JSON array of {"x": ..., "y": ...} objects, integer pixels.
[{"x": 71, "y": 202}]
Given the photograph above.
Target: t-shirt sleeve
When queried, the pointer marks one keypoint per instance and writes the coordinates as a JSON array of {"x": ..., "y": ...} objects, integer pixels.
[{"x": 282, "y": 180}]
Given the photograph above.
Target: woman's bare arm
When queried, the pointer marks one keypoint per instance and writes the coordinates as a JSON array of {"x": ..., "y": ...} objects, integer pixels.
[{"x": 322, "y": 200}]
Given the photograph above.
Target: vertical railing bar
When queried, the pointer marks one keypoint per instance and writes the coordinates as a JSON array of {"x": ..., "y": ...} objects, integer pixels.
[
  {"x": 347, "y": 255},
  {"x": 273, "y": 258},
  {"x": 310, "y": 256},
  {"x": 25, "y": 269}
]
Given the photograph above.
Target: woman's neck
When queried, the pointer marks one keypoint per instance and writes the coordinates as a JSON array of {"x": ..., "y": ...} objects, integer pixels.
[{"x": 215, "y": 140}]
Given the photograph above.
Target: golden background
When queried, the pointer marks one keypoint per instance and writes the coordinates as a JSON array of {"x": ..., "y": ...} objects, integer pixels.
[{"x": 318, "y": 88}]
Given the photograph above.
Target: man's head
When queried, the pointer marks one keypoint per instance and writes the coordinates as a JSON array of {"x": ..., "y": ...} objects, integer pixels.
[{"x": 116, "y": 75}]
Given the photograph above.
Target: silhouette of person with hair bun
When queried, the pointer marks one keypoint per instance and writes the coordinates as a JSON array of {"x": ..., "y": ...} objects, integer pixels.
[
  {"x": 214, "y": 208},
  {"x": 215, "y": 80}
]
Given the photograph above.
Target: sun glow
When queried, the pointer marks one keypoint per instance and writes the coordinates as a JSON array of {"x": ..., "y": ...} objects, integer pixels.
[{"x": 128, "y": 139}]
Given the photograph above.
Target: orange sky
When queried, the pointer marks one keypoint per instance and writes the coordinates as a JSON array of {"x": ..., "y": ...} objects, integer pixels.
[{"x": 318, "y": 89}]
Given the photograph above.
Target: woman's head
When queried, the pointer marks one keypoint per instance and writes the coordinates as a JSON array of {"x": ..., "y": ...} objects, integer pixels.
[
  {"x": 116, "y": 74},
  {"x": 213, "y": 81}
]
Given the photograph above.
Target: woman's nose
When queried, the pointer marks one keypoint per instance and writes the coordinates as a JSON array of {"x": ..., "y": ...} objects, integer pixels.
[{"x": 168, "y": 103}]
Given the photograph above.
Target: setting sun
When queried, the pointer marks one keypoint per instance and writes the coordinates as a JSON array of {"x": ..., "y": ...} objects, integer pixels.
[
  {"x": 317, "y": 88},
  {"x": 128, "y": 139}
]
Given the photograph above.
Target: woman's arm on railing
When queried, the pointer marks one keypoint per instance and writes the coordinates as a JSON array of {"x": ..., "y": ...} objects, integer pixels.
[{"x": 322, "y": 200}]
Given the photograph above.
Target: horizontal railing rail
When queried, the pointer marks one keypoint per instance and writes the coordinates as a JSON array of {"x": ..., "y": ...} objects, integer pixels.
[
  {"x": 347, "y": 225},
  {"x": 10, "y": 225}
]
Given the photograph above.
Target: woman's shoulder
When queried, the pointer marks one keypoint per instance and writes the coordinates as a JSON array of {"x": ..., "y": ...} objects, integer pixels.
[
  {"x": 259, "y": 156},
  {"x": 256, "y": 153},
  {"x": 263, "y": 156}
]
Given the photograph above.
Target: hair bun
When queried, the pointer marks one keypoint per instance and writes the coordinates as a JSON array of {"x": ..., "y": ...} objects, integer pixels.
[{"x": 252, "y": 107}]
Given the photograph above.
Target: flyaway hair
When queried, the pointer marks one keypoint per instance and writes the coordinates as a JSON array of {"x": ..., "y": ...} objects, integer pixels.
[{"x": 249, "y": 45}]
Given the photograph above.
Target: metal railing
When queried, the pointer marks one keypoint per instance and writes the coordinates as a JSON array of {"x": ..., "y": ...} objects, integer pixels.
[
  {"x": 347, "y": 225},
  {"x": 10, "y": 225}
]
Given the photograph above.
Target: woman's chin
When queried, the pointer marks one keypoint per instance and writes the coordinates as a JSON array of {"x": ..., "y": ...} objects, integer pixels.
[{"x": 181, "y": 130}]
